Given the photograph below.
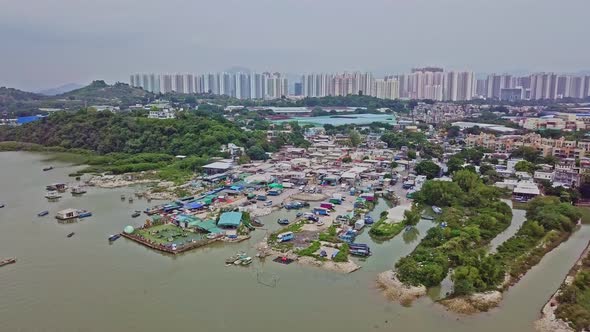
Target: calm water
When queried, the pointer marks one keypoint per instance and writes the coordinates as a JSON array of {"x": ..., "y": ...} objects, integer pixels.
[
  {"x": 84, "y": 284},
  {"x": 358, "y": 119}
]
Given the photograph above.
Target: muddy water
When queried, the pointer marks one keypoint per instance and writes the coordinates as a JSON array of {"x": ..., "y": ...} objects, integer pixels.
[{"x": 84, "y": 284}]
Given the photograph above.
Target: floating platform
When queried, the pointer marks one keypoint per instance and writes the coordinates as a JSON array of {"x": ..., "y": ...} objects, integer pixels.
[{"x": 283, "y": 260}]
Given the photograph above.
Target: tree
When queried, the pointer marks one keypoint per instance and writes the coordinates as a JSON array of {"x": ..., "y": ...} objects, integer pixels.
[
  {"x": 428, "y": 168},
  {"x": 525, "y": 166},
  {"x": 412, "y": 216},
  {"x": 455, "y": 164},
  {"x": 453, "y": 132},
  {"x": 411, "y": 154},
  {"x": 528, "y": 153},
  {"x": 355, "y": 138},
  {"x": 257, "y": 153},
  {"x": 467, "y": 180}
]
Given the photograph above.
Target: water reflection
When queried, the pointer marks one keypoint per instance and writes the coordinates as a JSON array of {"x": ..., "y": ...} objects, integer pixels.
[{"x": 410, "y": 235}]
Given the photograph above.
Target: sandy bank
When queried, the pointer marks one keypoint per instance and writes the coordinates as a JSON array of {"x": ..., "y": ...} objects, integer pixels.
[
  {"x": 474, "y": 303},
  {"x": 395, "y": 290},
  {"x": 344, "y": 267}
]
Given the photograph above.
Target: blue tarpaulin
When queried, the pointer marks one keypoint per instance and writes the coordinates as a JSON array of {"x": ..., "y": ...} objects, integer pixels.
[
  {"x": 193, "y": 205},
  {"x": 27, "y": 119}
]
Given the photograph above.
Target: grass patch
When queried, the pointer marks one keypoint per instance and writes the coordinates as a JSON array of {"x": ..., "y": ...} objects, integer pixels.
[
  {"x": 311, "y": 250},
  {"x": 330, "y": 235},
  {"x": 382, "y": 230},
  {"x": 168, "y": 234},
  {"x": 585, "y": 211},
  {"x": 342, "y": 255}
]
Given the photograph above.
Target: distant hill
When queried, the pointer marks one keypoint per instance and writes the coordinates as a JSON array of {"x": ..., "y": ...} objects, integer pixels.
[
  {"x": 99, "y": 92},
  {"x": 60, "y": 89}
]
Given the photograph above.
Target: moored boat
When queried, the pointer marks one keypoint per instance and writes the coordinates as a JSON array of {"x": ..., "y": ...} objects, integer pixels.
[
  {"x": 47, "y": 168},
  {"x": 257, "y": 223},
  {"x": 114, "y": 237},
  {"x": 78, "y": 191},
  {"x": 246, "y": 261},
  {"x": 84, "y": 213},
  {"x": 130, "y": 199},
  {"x": 71, "y": 234},
  {"x": 8, "y": 261},
  {"x": 43, "y": 213},
  {"x": 122, "y": 197},
  {"x": 1, "y": 205},
  {"x": 135, "y": 214},
  {"x": 283, "y": 221},
  {"x": 52, "y": 195},
  {"x": 67, "y": 214}
]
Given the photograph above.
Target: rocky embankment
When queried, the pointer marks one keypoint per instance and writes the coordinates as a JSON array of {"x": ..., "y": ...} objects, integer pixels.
[
  {"x": 395, "y": 290},
  {"x": 474, "y": 303}
]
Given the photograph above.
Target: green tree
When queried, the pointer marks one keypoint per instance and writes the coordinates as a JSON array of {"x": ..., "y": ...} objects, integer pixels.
[
  {"x": 525, "y": 166},
  {"x": 411, "y": 154},
  {"x": 428, "y": 168},
  {"x": 355, "y": 138},
  {"x": 257, "y": 153}
]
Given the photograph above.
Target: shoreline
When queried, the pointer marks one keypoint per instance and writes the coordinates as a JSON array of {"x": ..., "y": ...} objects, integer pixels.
[
  {"x": 548, "y": 322},
  {"x": 395, "y": 290}
]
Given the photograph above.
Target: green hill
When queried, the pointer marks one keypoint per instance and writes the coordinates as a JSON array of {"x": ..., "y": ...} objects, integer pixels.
[{"x": 98, "y": 92}]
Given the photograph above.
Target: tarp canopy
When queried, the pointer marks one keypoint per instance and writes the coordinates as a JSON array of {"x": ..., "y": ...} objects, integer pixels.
[
  {"x": 208, "y": 226},
  {"x": 275, "y": 186},
  {"x": 230, "y": 219},
  {"x": 194, "y": 205}
]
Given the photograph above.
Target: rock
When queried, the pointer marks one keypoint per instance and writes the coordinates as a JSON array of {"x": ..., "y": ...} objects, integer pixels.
[{"x": 396, "y": 290}]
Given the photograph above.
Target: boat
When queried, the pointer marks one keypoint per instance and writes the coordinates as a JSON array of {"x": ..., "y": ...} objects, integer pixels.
[
  {"x": 135, "y": 214},
  {"x": 427, "y": 217},
  {"x": 78, "y": 191},
  {"x": 257, "y": 223},
  {"x": 42, "y": 213},
  {"x": 84, "y": 213},
  {"x": 283, "y": 221},
  {"x": 114, "y": 237},
  {"x": 47, "y": 168},
  {"x": 71, "y": 234},
  {"x": 67, "y": 214},
  {"x": 8, "y": 261},
  {"x": 369, "y": 220},
  {"x": 320, "y": 223},
  {"x": 61, "y": 187},
  {"x": 299, "y": 214},
  {"x": 233, "y": 259},
  {"x": 246, "y": 260},
  {"x": 130, "y": 199},
  {"x": 52, "y": 195},
  {"x": 1, "y": 205},
  {"x": 122, "y": 197},
  {"x": 436, "y": 209}
]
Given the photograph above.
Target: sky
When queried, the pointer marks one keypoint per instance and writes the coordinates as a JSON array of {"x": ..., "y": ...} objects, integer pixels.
[{"x": 47, "y": 43}]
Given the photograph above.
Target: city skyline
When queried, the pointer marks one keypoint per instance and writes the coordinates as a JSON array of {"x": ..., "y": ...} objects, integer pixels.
[
  {"x": 66, "y": 41},
  {"x": 420, "y": 83}
]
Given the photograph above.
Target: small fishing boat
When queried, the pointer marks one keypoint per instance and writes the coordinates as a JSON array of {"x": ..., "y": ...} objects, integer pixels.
[
  {"x": 320, "y": 223},
  {"x": 1, "y": 205},
  {"x": 283, "y": 221},
  {"x": 135, "y": 214},
  {"x": 78, "y": 191},
  {"x": 84, "y": 213},
  {"x": 8, "y": 261},
  {"x": 114, "y": 237},
  {"x": 257, "y": 223},
  {"x": 47, "y": 168},
  {"x": 299, "y": 214},
  {"x": 130, "y": 199},
  {"x": 71, "y": 234},
  {"x": 234, "y": 258},
  {"x": 246, "y": 261},
  {"x": 42, "y": 213},
  {"x": 122, "y": 197},
  {"x": 52, "y": 195}
]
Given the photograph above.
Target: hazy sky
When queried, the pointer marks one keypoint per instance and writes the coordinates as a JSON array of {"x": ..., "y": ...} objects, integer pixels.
[{"x": 46, "y": 43}]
